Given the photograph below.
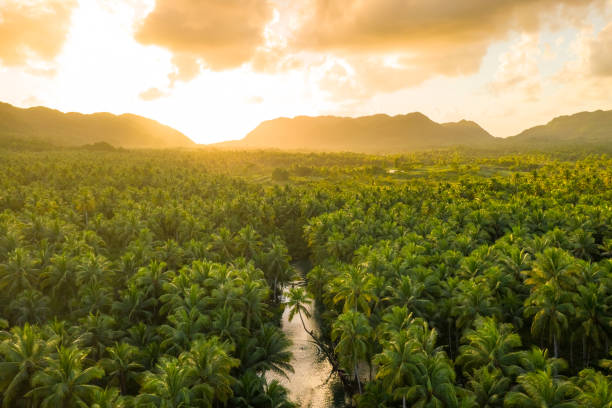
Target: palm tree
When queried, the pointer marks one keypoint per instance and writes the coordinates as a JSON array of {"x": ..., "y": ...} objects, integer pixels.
[
  {"x": 434, "y": 383},
  {"x": 121, "y": 366},
  {"x": 352, "y": 330},
  {"x": 593, "y": 313},
  {"x": 396, "y": 320},
  {"x": 411, "y": 294},
  {"x": 64, "y": 382},
  {"x": 271, "y": 352},
  {"x": 537, "y": 359},
  {"x": 227, "y": 324},
  {"x": 596, "y": 389},
  {"x": 185, "y": 326},
  {"x": 550, "y": 309},
  {"x": 211, "y": 362},
  {"x": 398, "y": 364},
  {"x": 277, "y": 268},
  {"x": 298, "y": 302},
  {"x": 168, "y": 386},
  {"x": 353, "y": 290},
  {"x": 541, "y": 389},
  {"x": 23, "y": 355},
  {"x": 248, "y": 242},
  {"x": 29, "y": 306},
  {"x": 98, "y": 332},
  {"x": 317, "y": 279},
  {"x": 60, "y": 277},
  {"x": 19, "y": 272},
  {"x": 108, "y": 398},
  {"x": 490, "y": 345},
  {"x": 489, "y": 387},
  {"x": 254, "y": 294},
  {"x": 553, "y": 266},
  {"x": 277, "y": 395}
]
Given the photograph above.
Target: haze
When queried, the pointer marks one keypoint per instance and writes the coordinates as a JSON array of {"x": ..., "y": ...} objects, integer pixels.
[{"x": 215, "y": 69}]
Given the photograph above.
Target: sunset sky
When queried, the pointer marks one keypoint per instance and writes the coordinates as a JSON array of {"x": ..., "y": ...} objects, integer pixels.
[{"x": 214, "y": 69}]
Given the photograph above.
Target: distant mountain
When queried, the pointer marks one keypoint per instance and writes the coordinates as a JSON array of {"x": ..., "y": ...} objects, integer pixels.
[
  {"x": 75, "y": 129},
  {"x": 581, "y": 129},
  {"x": 371, "y": 134}
]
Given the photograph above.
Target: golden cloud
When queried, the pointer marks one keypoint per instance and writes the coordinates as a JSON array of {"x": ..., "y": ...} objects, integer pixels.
[
  {"x": 600, "y": 53},
  {"x": 33, "y": 29},
  {"x": 223, "y": 33},
  {"x": 431, "y": 36},
  {"x": 151, "y": 94}
]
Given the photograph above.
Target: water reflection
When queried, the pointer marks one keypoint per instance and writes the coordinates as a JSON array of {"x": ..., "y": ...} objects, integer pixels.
[{"x": 310, "y": 385}]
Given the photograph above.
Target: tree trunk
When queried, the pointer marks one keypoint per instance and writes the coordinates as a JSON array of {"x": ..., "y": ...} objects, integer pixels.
[
  {"x": 584, "y": 352},
  {"x": 357, "y": 378},
  {"x": 275, "y": 280},
  {"x": 404, "y": 401},
  {"x": 450, "y": 340},
  {"x": 556, "y": 348}
]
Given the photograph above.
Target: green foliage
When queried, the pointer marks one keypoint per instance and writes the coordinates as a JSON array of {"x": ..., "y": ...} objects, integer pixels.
[{"x": 157, "y": 278}]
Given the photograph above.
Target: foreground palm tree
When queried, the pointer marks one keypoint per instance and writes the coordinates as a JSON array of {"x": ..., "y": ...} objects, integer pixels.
[
  {"x": 490, "y": 345},
  {"x": 211, "y": 363},
  {"x": 121, "y": 366},
  {"x": 298, "y": 302},
  {"x": 22, "y": 356},
  {"x": 352, "y": 331},
  {"x": 596, "y": 389},
  {"x": 541, "y": 389},
  {"x": 64, "y": 382},
  {"x": 167, "y": 387},
  {"x": 398, "y": 365}
]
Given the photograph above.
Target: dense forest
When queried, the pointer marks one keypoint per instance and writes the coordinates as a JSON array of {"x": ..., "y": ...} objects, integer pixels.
[{"x": 440, "y": 279}]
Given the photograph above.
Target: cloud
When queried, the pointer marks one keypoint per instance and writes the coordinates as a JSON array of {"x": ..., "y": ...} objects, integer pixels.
[
  {"x": 518, "y": 69},
  {"x": 223, "y": 33},
  {"x": 152, "y": 94},
  {"x": 255, "y": 100},
  {"x": 187, "y": 68},
  {"x": 600, "y": 53},
  {"x": 428, "y": 37},
  {"x": 33, "y": 29}
]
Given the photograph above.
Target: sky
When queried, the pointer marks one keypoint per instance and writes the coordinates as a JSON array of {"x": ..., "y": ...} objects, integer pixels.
[{"x": 215, "y": 69}]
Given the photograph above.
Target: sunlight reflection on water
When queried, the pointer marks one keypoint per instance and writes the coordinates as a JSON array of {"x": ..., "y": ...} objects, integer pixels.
[{"x": 310, "y": 385}]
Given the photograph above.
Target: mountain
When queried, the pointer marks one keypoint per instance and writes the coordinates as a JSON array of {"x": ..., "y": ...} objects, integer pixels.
[
  {"x": 371, "y": 134},
  {"x": 581, "y": 129},
  {"x": 75, "y": 129}
]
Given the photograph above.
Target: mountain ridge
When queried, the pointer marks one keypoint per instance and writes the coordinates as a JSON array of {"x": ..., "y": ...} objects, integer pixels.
[
  {"x": 380, "y": 133},
  {"x": 69, "y": 129}
]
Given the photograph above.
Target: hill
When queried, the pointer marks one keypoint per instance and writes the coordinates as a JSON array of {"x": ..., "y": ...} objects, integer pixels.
[
  {"x": 581, "y": 129},
  {"x": 369, "y": 134},
  {"x": 50, "y": 126}
]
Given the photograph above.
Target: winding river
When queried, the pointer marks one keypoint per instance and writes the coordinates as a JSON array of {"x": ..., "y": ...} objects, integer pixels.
[{"x": 311, "y": 385}]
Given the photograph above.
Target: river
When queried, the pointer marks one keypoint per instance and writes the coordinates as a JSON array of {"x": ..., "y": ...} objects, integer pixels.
[{"x": 310, "y": 386}]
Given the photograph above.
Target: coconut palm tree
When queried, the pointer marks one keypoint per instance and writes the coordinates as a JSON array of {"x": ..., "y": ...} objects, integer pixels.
[
  {"x": 553, "y": 266},
  {"x": 398, "y": 364},
  {"x": 168, "y": 386},
  {"x": 352, "y": 289},
  {"x": 352, "y": 331},
  {"x": 298, "y": 302},
  {"x": 23, "y": 353},
  {"x": 64, "y": 382},
  {"x": 551, "y": 310},
  {"x": 211, "y": 362},
  {"x": 19, "y": 272},
  {"x": 542, "y": 389},
  {"x": 594, "y": 314},
  {"x": 489, "y": 387},
  {"x": 595, "y": 389},
  {"x": 490, "y": 345},
  {"x": 121, "y": 365}
]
